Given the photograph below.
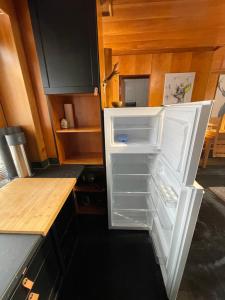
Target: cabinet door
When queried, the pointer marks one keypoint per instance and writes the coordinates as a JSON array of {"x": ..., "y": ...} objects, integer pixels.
[
  {"x": 183, "y": 134},
  {"x": 66, "y": 38},
  {"x": 48, "y": 276}
]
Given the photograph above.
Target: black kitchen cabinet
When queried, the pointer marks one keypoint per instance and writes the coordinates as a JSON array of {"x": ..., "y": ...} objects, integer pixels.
[
  {"x": 44, "y": 271},
  {"x": 49, "y": 265},
  {"x": 66, "y": 39}
]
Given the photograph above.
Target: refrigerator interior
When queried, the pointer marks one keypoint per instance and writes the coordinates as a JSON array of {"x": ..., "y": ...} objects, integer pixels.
[{"x": 136, "y": 197}]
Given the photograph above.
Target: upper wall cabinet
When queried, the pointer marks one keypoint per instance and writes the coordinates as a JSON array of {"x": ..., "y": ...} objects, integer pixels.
[{"x": 66, "y": 39}]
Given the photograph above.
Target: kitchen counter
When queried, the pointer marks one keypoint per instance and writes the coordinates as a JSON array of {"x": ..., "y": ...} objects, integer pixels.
[
  {"x": 64, "y": 171},
  {"x": 15, "y": 252},
  {"x": 31, "y": 205}
]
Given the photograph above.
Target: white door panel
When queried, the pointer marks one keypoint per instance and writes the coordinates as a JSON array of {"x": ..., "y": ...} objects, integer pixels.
[
  {"x": 184, "y": 227},
  {"x": 182, "y": 138}
]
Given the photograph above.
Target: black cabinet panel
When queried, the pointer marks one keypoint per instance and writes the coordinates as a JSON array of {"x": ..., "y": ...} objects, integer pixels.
[
  {"x": 44, "y": 270},
  {"x": 66, "y": 215},
  {"x": 66, "y": 38},
  {"x": 45, "y": 284}
]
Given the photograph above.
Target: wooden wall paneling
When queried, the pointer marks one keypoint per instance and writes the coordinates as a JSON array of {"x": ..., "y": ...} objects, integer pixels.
[
  {"x": 3, "y": 122},
  {"x": 130, "y": 65},
  {"x": 211, "y": 86},
  {"x": 101, "y": 53},
  {"x": 115, "y": 89},
  {"x": 16, "y": 95},
  {"x": 134, "y": 64},
  {"x": 22, "y": 12},
  {"x": 217, "y": 67},
  {"x": 181, "y": 62},
  {"x": 218, "y": 61},
  {"x": 161, "y": 64},
  {"x": 108, "y": 70},
  {"x": 87, "y": 110},
  {"x": 201, "y": 64},
  {"x": 142, "y": 25}
]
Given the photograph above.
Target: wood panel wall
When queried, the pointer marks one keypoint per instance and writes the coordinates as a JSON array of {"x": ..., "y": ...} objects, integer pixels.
[
  {"x": 158, "y": 64},
  {"x": 217, "y": 68},
  {"x": 147, "y": 38},
  {"x": 141, "y": 26},
  {"x": 16, "y": 93}
]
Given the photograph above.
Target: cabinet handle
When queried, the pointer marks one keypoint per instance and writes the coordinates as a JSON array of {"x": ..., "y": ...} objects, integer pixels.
[
  {"x": 27, "y": 283},
  {"x": 33, "y": 296}
]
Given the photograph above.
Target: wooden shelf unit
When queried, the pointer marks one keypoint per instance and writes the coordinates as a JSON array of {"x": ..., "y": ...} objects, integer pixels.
[
  {"x": 82, "y": 144},
  {"x": 81, "y": 129},
  {"x": 84, "y": 159}
]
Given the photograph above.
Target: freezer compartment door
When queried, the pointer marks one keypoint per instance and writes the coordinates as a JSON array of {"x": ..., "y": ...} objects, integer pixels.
[
  {"x": 175, "y": 252},
  {"x": 183, "y": 132}
]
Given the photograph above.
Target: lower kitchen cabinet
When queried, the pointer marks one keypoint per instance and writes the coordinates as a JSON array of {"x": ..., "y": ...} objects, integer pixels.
[{"x": 44, "y": 273}]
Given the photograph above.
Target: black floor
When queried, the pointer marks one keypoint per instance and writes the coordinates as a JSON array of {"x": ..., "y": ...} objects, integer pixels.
[
  {"x": 204, "y": 274},
  {"x": 112, "y": 265},
  {"x": 120, "y": 265}
]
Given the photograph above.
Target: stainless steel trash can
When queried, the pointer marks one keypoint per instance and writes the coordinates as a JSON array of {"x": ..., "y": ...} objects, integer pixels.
[
  {"x": 16, "y": 143},
  {"x": 7, "y": 167}
]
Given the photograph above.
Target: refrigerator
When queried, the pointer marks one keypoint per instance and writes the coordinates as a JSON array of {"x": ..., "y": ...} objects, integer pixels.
[{"x": 152, "y": 156}]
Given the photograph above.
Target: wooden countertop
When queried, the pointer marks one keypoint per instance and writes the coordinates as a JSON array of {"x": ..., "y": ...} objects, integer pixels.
[{"x": 31, "y": 205}]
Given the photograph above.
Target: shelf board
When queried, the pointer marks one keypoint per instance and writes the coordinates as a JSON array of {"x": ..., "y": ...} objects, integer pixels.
[
  {"x": 84, "y": 159},
  {"x": 80, "y": 129},
  {"x": 89, "y": 188},
  {"x": 133, "y": 128},
  {"x": 91, "y": 210}
]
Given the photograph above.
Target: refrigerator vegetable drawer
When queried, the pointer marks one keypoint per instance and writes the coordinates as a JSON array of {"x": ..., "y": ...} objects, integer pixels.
[{"x": 132, "y": 218}]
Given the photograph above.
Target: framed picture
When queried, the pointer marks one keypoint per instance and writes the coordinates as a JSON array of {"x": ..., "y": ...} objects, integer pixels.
[
  {"x": 219, "y": 104},
  {"x": 178, "y": 87}
]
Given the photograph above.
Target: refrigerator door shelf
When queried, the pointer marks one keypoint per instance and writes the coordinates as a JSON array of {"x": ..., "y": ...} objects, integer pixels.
[
  {"x": 163, "y": 216},
  {"x": 160, "y": 258},
  {"x": 157, "y": 196},
  {"x": 162, "y": 238},
  {"x": 168, "y": 194}
]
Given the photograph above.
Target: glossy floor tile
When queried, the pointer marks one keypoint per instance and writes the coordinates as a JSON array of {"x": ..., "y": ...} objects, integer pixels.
[{"x": 113, "y": 265}]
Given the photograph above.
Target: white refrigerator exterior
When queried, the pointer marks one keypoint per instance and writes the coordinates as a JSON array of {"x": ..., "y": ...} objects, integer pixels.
[{"x": 152, "y": 156}]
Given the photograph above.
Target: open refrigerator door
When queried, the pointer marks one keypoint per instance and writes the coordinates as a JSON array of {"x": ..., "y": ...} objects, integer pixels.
[{"x": 175, "y": 197}]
